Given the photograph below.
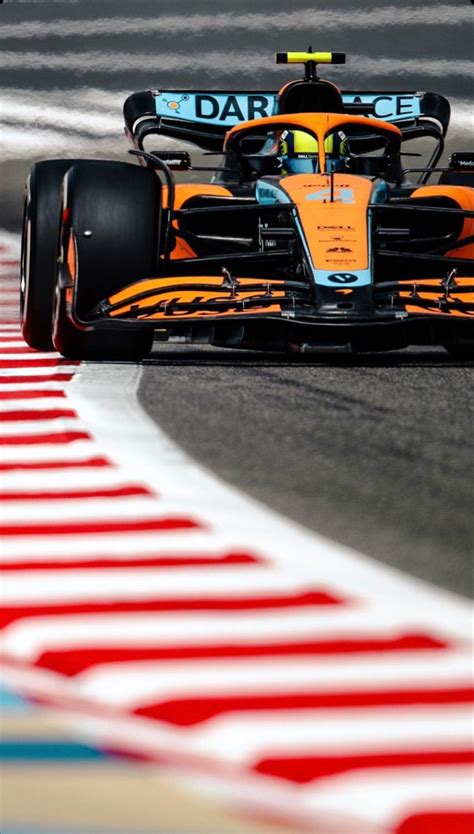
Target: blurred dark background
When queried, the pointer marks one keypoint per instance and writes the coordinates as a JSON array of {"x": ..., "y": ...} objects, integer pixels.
[{"x": 67, "y": 65}]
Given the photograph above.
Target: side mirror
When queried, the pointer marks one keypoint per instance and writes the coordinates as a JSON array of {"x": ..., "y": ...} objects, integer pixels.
[
  {"x": 175, "y": 160},
  {"x": 251, "y": 145}
]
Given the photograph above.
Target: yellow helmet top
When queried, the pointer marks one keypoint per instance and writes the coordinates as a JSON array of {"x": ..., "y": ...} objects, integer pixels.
[{"x": 299, "y": 141}]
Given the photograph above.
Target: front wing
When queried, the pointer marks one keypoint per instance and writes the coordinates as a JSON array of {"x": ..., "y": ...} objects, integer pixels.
[{"x": 280, "y": 314}]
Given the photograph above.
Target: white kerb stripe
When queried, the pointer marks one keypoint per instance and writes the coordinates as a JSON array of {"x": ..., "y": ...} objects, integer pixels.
[
  {"x": 133, "y": 507},
  {"x": 120, "y": 583},
  {"x": 385, "y": 797},
  {"x": 34, "y": 356},
  {"x": 34, "y": 404},
  {"x": 59, "y": 480},
  {"x": 37, "y": 385},
  {"x": 40, "y": 427},
  {"x": 29, "y": 637},
  {"x": 244, "y": 738},
  {"x": 19, "y": 370},
  {"x": 133, "y": 684},
  {"x": 85, "y": 545},
  {"x": 51, "y": 452}
]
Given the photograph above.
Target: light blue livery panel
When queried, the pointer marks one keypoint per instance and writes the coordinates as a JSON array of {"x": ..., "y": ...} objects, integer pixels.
[{"x": 229, "y": 109}]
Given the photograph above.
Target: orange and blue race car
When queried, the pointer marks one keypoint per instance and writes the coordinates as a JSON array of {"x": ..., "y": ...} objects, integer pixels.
[{"x": 313, "y": 233}]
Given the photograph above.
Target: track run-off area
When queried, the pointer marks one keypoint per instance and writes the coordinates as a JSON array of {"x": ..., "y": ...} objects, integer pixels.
[{"x": 176, "y": 620}]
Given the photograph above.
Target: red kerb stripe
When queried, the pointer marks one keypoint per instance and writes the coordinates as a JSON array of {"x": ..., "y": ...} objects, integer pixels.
[
  {"x": 185, "y": 712},
  {"x": 111, "y": 526},
  {"x": 36, "y": 363},
  {"x": 15, "y": 379},
  {"x": 52, "y": 438},
  {"x": 439, "y": 822},
  {"x": 58, "y": 464},
  {"x": 305, "y": 769},
  {"x": 193, "y": 603},
  {"x": 25, "y": 394},
  {"x": 72, "y": 495},
  {"x": 36, "y": 414},
  {"x": 143, "y": 562},
  {"x": 19, "y": 350},
  {"x": 74, "y": 661}
]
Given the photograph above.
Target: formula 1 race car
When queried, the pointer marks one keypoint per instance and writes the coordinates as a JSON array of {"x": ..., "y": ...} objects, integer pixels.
[{"x": 310, "y": 237}]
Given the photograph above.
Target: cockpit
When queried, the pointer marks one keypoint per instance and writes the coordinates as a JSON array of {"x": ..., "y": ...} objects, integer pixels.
[{"x": 311, "y": 143}]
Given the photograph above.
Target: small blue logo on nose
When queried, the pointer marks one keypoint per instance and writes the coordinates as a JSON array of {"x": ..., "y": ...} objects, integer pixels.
[{"x": 343, "y": 195}]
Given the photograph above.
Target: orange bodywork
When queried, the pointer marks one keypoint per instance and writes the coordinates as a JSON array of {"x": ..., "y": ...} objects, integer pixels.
[
  {"x": 435, "y": 297},
  {"x": 199, "y": 314},
  {"x": 463, "y": 197},
  {"x": 349, "y": 217},
  {"x": 71, "y": 261},
  {"x": 184, "y": 191},
  {"x": 159, "y": 292}
]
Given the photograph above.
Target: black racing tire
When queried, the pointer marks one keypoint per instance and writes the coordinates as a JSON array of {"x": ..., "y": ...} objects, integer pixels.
[
  {"x": 108, "y": 342},
  {"x": 118, "y": 206},
  {"x": 39, "y": 250}
]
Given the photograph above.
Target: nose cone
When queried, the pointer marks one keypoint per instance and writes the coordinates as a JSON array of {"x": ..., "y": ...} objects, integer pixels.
[{"x": 334, "y": 222}]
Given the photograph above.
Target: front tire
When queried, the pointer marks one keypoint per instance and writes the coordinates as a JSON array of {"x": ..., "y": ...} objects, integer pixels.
[
  {"x": 111, "y": 223},
  {"x": 39, "y": 249}
]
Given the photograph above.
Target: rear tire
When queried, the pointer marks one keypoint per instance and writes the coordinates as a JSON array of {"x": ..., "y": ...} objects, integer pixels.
[
  {"x": 118, "y": 206},
  {"x": 41, "y": 218}
]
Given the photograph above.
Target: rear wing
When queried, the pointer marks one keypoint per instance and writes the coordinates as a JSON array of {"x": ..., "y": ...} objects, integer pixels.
[{"x": 204, "y": 117}]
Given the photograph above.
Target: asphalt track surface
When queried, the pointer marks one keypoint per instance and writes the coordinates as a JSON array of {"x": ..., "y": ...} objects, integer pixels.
[{"x": 376, "y": 453}]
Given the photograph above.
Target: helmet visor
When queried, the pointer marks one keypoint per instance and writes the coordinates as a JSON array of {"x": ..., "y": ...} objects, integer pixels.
[{"x": 300, "y": 163}]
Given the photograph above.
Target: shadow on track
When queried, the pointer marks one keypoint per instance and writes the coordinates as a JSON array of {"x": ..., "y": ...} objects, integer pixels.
[{"x": 205, "y": 356}]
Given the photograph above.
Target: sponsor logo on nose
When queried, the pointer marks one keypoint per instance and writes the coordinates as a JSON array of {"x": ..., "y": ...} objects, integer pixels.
[{"x": 342, "y": 278}]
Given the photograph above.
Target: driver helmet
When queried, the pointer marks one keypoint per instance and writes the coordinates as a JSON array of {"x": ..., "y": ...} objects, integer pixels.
[
  {"x": 299, "y": 152},
  {"x": 336, "y": 147}
]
